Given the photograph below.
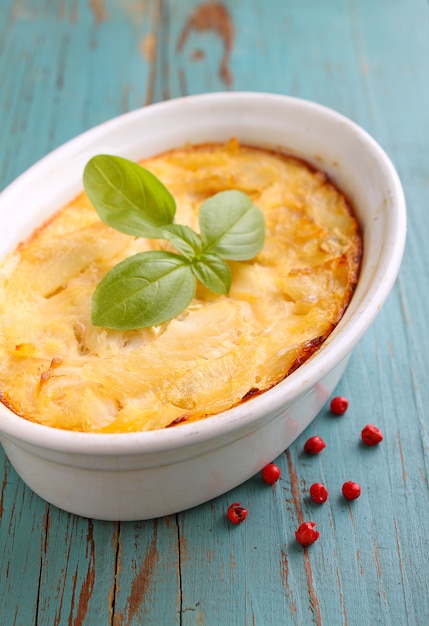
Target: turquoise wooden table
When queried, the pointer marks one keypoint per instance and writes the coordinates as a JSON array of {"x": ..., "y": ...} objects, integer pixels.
[{"x": 68, "y": 65}]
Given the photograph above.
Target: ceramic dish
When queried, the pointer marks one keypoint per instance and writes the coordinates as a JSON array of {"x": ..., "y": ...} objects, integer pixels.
[{"x": 151, "y": 474}]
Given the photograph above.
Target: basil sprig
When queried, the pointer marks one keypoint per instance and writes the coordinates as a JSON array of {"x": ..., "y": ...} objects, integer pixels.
[{"x": 153, "y": 287}]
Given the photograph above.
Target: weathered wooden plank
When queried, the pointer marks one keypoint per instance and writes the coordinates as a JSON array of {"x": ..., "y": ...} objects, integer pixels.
[
  {"x": 77, "y": 570},
  {"x": 22, "y": 533},
  {"x": 67, "y": 67},
  {"x": 148, "y": 574}
]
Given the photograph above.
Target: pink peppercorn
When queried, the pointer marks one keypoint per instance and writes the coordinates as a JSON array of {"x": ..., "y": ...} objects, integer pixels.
[
  {"x": 314, "y": 445},
  {"x": 271, "y": 473},
  {"x": 339, "y": 405},
  {"x": 237, "y": 513},
  {"x": 351, "y": 490},
  {"x": 318, "y": 493},
  {"x": 371, "y": 435},
  {"x": 306, "y": 535}
]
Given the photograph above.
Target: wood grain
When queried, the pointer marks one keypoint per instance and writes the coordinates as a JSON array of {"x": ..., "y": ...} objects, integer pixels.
[{"x": 67, "y": 66}]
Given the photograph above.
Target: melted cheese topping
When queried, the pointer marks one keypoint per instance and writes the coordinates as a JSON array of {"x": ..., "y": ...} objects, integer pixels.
[{"x": 58, "y": 369}]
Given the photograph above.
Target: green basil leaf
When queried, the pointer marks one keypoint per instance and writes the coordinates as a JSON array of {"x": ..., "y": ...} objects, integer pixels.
[
  {"x": 146, "y": 289},
  {"x": 186, "y": 240},
  {"x": 128, "y": 197},
  {"x": 232, "y": 226},
  {"x": 213, "y": 272}
]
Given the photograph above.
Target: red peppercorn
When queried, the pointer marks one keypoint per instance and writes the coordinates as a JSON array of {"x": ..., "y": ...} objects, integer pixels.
[
  {"x": 351, "y": 490},
  {"x": 371, "y": 435},
  {"x": 314, "y": 445},
  {"x": 237, "y": 513},
  {"x": 271, "y": 473},
  {"x": 339, "y": 405},
  {"x": 306, "y": 535},
  {"x": 318, "y": 493}
]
